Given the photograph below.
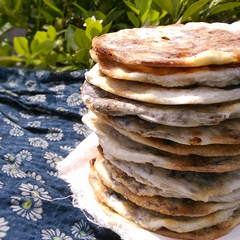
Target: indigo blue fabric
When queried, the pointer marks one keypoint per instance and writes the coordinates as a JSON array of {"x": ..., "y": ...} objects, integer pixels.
[{"x": 40, "y": 124}]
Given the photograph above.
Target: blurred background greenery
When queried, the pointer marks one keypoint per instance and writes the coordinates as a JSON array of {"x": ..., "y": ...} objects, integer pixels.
[{"x": 57, "y": 35}]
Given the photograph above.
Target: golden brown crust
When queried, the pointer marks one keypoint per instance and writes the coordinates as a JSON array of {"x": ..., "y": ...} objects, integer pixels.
[
  {"x": 169, "y": 206},
  {"x": 208, "y": 233},
  {"x": 177, "y": 45}
]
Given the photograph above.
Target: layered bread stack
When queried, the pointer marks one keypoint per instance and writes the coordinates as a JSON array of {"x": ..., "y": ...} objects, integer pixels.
[{"x": 165, "y": 104}]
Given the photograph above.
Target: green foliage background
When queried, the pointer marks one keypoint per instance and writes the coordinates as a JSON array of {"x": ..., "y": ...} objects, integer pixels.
[{"x": 58, "y": 34}]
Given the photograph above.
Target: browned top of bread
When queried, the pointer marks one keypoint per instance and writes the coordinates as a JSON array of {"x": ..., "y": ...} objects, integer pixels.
[{"x": 177, "y": 45}]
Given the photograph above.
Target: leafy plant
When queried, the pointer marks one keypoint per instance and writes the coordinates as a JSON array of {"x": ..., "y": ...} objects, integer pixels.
[{"x": 58, "y": 34}]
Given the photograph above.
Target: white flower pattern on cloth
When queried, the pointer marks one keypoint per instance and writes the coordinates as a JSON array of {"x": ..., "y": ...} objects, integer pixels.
[
  {"x": 12, "y": 170},
  {"x": 16, "y": 132},
  {"x": 81, "y": 129},
  {"x": 37, "y": 98},
  {"x": 37, "y": 112},
  {"x": 54, "y": 134},
  {"x": 26, "y": 114},
  {"x": 57, "y": 86},
  {"x": 81, "y": 230},
  {"x": 31, "y": 85},
  {"x": 34, "y": 124},
  {"x": 12, "y": 82},
  {"x": 4, "y": 227},
  {"x": 24, "y": 155},
  {"x": 36, "y": 177},
  {"x": 50, "y": 234},
  {"x": 11, "y": 123},
  {"x": 52, "y": 158},
  {"x": 74, "y": 100},
  {"x": 29, "y": 190},
  {"x": 11, "y": 158},
  {"x": 38, "y": 142},
  {"x": 27, "y": 207}
]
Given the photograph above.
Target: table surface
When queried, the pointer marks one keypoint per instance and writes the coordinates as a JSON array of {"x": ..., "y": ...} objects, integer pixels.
[{"x": 40, "y": 124}]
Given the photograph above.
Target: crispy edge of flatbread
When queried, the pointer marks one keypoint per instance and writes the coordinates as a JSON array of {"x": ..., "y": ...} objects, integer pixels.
[
  {"x": 152, "y": 93},
  {"x": 212, "y": 76},
  {"x": 100, "y": 192},
  {"x": 223, "y": 133},
  {"x": 211, "y": 150},
  {"x": 168, "y": 206}
]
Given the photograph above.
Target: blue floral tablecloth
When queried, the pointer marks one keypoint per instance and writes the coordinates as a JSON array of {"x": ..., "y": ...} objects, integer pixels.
[{"x": 40, "y": 124}]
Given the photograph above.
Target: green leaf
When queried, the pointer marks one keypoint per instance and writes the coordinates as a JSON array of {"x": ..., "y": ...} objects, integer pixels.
[
  {"x": 105, "y": 6},
  {"x": 93, "y": 30},
  {"x": 154, "y": 17},
  {"x": 54, "y": 58},
  {"x": 5, "y": 50},
  {"x": 145, "y": 7},
  {"x": 192, "y": 9},
  {"x": 18, "y": 4},
  {"x": 82, "y": 56},
  {"x": 33, "y": 46},
  {"x": 134, "y": 19},
  {"x": 89, "y": 21},
  {"x": 7, "y": 60},
  {"x": 106, "y": 28},
  {"x": 53, "y": 7},
  {"x": 47, "y": 15},
  {"x": 223, "y": 7},
  {"x": 44, "y": 48},
  {"x": 69, "y": 36},
  {"x": 137, "y": 3},
  {"x": 165, "y": 5},
  {"x": 81, "y": 39},
  {"x": 51, "y": 32},
  {"x": 145, "y": 12},
  {"x": 132, "y": 7},
  {"x": 85, "y": 13},
  {"x": 175, "y": 5},
  {"x": 21, "y": 46},
  {"x": 41, "y": 36},
  {"x": 112, "y": 15},
  {"x": 99, "y": 16}
]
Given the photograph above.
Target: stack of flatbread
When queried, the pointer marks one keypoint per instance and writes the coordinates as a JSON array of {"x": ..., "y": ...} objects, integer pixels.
[{"x": 165, "y": 104}]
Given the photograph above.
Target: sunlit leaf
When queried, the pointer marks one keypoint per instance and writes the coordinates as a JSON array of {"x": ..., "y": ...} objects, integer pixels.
[
  {"x": 5, "y": 50},
  {"x": 69, "y": 36},
  {"x": 192, "y": 9},
  {"x": 106, "y": 28},
  {"x": 165, "y": 5},
  {"x": 44, "y": 48},
  {"x": 93, "y": 30},
  {"x": 224, "y": 7},
  {"x": 132, "y": 7},
  {"x": 21, "y": 46},
  {"x": 82, "y": 56},
  {"x": 51, "y": 32},
  {"x": 53, "y": 7},
  {"x": 41, "y": 36},
  {"x": 81, "y": 39},
  {"x": 134, "y": 19}
]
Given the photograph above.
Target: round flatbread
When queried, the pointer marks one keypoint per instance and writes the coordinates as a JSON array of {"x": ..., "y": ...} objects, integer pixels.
[
  {"x": 212, "y": 76},
  {"x": 119, "y": 146},
  {"x": 152, "y": 93},
  {"x": 211, "y": 150},
  {"x": 226, "y": 132},
  {"x": 181, "y": 116},
  {"x": 149, "y": 219},
  {"x": 168, "y": 206},
  {"x": 177, "y": 45},
  {"x": 194, "y": 185}
]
